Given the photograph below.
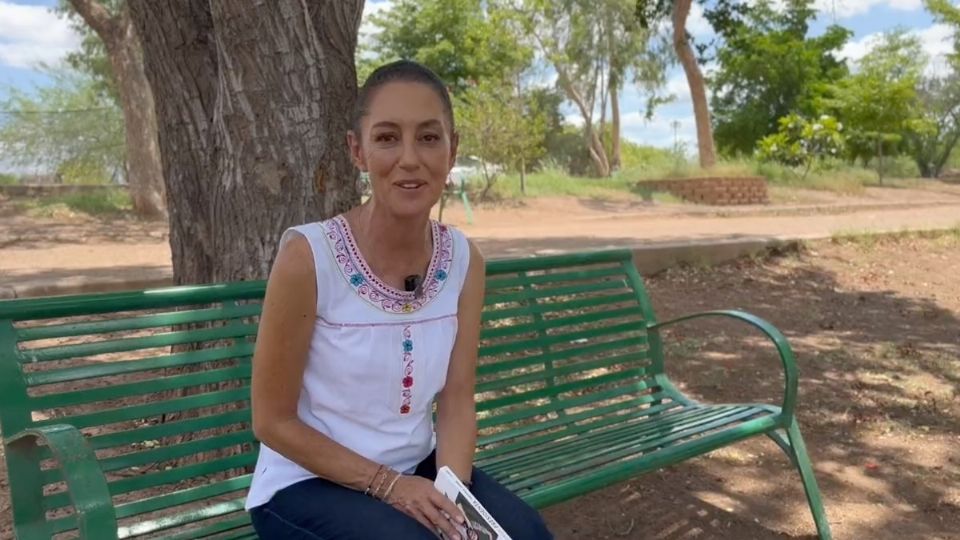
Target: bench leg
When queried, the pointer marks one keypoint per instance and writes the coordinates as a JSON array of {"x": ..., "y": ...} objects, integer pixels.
[{"x": 798, "y": 454}]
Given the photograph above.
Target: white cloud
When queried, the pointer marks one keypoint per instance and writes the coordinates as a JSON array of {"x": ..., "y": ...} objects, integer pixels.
[
  {"x": 367, "y": 30},
  {"x": 697, "y": 24},
  {"x": 844, "y": 9},
  {"x": 660, "y": 130},
  {"x": 678, "y": 87},
  {"x": 33, "y": 34},
  {"x": 936, "y": 40}
]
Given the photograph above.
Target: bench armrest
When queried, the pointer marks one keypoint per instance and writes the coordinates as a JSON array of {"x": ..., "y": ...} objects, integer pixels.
[
  {"x": 85, "y": 480},
  {"x": 783, "y": 348}
]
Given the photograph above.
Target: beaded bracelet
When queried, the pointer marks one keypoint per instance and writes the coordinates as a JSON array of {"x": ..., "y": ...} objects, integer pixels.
[
  {"x": 383, "y": 480},
  {"x": 372, "y": 480},
  {"x": 390, "y": 487}
]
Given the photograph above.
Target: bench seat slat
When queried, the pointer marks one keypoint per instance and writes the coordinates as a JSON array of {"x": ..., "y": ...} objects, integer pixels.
[
  {"x": 139, "y": 388},
  {"x": 182, "y": 518},
  {"x": 240, "y": 351},
  {"x": 629, "y": 430},
  {"x": 487, "y": 421},
  {"x": 238, "y": 527},
  {"x": 183, "y": 496},
  {"x": 169, "y": 500},
  {"x": 160, "y": 478},
  {"x": 182, "y": 337},
  {"x": 592, "y": 418},
  {"x": 142, "y": 322},
  {"x": 592, "y": 453},
  {"x": 635, "y": 359}
]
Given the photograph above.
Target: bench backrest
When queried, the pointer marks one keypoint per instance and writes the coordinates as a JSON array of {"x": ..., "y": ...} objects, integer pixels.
[
  {"x": 158, "y": 380},
  {"x": 564, "y": 341},
  {"x": 161, "y": 404}
]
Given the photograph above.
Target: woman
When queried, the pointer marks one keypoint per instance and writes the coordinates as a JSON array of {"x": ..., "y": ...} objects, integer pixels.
[{"x": 369, "y": 318}]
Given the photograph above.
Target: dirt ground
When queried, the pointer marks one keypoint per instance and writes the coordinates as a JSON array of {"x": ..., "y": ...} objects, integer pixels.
[
  {"x": 66, "y": 245},
  {"x": 876, "y": 328}
]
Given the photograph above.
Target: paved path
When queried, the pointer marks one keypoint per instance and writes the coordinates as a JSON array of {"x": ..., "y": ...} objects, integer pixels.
[{"x": 96, "y": 256}]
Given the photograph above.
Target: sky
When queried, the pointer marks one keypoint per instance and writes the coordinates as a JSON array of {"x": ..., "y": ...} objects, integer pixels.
[{"x": 30, "y": 35}]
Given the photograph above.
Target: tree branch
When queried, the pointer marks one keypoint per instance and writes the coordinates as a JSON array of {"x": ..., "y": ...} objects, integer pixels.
[{"x": 98, "y": 18}]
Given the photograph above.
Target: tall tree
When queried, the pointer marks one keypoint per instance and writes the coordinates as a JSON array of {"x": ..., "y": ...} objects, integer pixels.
[
  {"x": 878, "y": 104},
  {"x": 113, "y": 26},
  {"x": 594, "y": 46},
  {"x": 253, "y": 102},
  {"x": 932, "y": 138},
  {"x": 649, "y": 12},
  {"x": 939, "y": 134},
  {"x": 698, "y": 90},
  {"x": 768, "y": 68},
  {"x": 464, "y": 41}
]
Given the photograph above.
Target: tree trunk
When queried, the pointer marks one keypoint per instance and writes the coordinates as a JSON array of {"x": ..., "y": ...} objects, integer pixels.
[
  {"x": 144, "y": 170},
  {"x": 251, "y": 99},
  {"x": 615, "y": 128},
  {"x": 598, "y": 154},
  {"x": 698, "y": 91}
]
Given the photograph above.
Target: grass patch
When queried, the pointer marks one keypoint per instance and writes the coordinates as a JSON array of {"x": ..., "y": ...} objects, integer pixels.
[
  {"x": 552, "y": 183},
  {"x": 107, "y": 202},
  {"x": 946, "y": 237}
]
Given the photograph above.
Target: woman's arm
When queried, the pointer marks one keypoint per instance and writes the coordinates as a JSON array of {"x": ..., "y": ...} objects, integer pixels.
[
  {"x": 457, "y": 415},
  {"x": 283, "y": 342}
]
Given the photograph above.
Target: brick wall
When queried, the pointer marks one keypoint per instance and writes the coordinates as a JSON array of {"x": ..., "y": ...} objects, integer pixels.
[{"x": 715, "y": 191}]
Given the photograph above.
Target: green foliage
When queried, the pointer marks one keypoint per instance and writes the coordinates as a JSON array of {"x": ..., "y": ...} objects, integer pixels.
[
  {"x": 768, "y": 68},
  {"x": 71, "y": 123},
  {"x": 107, "y": 202},
  {"x": 552, "y": 182},
  {"x": 800, "y": 142},
  {"x": 8, "y": 179},
  {"x": 464, "y": 41},
  {"x": 831, "y": 175},
  {"x": 879, "y": 103},
  {"x": 596, "y": 47},
  {"x": 497, "y": 129},
  {"x": 92, "y": 57}
]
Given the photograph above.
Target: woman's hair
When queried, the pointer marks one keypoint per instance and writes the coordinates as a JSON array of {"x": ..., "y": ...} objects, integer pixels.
[{"x": 400, "y": 71}]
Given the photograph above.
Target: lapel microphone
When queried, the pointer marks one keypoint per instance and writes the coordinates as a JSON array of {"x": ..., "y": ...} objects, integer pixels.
[{"x": 412, "y": 283}]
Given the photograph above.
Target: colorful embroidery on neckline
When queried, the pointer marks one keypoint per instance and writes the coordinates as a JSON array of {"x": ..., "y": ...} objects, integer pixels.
[
  {"x": 355, "y": 270},
  {"x": 406, "y": 381}
]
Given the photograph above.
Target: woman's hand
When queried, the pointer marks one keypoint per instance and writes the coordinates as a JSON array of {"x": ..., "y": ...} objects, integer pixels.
[{"x": 416, "y": 497}]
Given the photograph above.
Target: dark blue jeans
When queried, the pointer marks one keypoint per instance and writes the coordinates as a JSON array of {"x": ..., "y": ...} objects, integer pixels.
[{"x": 317, "y": 509}]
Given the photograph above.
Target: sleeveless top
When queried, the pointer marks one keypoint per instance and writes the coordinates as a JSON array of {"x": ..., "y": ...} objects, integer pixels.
[{"x": 378, "y": 355}]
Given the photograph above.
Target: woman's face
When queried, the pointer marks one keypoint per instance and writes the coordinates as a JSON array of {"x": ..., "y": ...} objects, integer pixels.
[{"x": 406, "y": 146}]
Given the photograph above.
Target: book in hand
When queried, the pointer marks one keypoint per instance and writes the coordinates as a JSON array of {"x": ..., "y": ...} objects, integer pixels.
[{"x": 480, "y": 525}]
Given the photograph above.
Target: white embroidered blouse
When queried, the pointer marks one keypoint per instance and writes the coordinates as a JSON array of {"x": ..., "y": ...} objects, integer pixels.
[{"x": 378, "y": 355}]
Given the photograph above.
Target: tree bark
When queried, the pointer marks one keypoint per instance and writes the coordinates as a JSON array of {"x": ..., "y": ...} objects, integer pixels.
[
  {"x": 615, "y": 128},
  {"x": 144, "y": 171},
  {"x": 698, "y": 91},
  {"x": 251, "y": 99},
  {"x": 594, "y": 145}
]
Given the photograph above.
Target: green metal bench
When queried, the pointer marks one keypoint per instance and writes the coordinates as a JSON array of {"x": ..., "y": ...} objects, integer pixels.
[{"x": 126, "y": 414}]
